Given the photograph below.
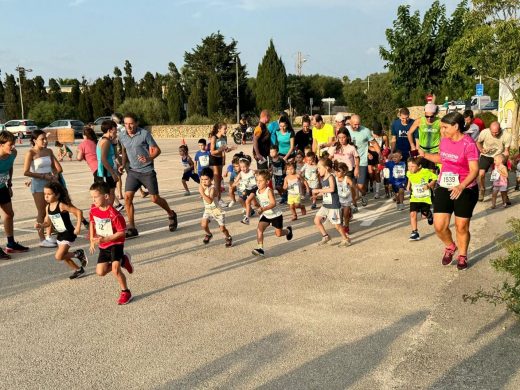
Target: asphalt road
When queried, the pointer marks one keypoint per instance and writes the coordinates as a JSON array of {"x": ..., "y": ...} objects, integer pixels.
[{"x": 381, "y": 314}]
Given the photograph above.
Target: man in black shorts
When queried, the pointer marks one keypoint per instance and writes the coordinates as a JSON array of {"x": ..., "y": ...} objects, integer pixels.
[
  {"x": 262, "y": 141},
  {"x": 139, "y": 150}
]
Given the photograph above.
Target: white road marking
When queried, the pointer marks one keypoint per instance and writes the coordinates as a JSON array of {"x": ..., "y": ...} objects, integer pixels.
[{"x": 367, "y": 219}]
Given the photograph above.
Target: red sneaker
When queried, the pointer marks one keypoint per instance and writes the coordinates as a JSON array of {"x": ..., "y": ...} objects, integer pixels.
[
  {"x": 124, "y": 298},
  {"x": 462, "y": 262},
  {"x": 127, "y": 263},
  {"x": 346, "y": 230},
  {"x": 448, "y": 254}
]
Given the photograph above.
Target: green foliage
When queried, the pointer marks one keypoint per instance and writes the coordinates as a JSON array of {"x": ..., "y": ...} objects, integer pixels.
[
  {"x": 2, "y": 92},
  {"x": 195, "y": 102},
  {"x": 271, "y": 81},
  {"x": 198, "y": 120},
  {"x": 118, "y": 88},
  {"x": 214, "y": 97},
  {"x": 44, "y": 112},
  {"x": 11, "y": 98},
  {"x": 151, "y": 111},
  {"x": 129, "y": 81},
  {"x": 174, "y": 95},
  {"x": 147, "y": 86},
  {"x": 487, "y": 117},
  {"x": 85, "y": 104},
  {"x": 509, "y": 292},
  {"x": 55, "y": 94},
  {"x": 75, "y": 92}
]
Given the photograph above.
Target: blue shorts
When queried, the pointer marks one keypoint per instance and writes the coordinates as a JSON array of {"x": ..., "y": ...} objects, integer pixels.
[
  {"x": 397, "y": 186},
  {"x": 38, "y": 184},
  {"x": 363, "y": 175}
]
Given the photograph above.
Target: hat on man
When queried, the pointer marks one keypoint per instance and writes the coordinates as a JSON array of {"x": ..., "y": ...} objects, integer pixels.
[
  {"x": 339, "y": 117},
  {"x": 430, "y": 107}
]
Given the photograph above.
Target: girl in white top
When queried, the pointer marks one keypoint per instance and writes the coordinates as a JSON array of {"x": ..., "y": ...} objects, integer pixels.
[
  {"x": 309, "y": 173},
  {"x": 211, "y": 209},
  {"x": 270, "y": 214},
  {"x": 344, "y": 184},
  {"x": 245, "y": 183},
  {"x": 293, "y": 185}
]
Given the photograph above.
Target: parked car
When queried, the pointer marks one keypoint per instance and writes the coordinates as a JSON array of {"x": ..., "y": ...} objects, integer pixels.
[
  {"x": 492, "y": 105},
  {"x": 97, "y": 124},
  {"x": 76, "y": 125},
  {"x": 23, "y": 127},
  {"x": 477, "y": 102}
]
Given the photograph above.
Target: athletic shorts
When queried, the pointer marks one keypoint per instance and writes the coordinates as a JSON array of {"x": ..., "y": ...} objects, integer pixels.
[
  {"x": 500, "y": 188},
  {"x": 278, "y": 181},
  {"x": 333, "y": 215},
  {"x": 485, "y": 162},
  {"x": 5, "y": 197},
  {"x": 215, "y": 215},
  {"x": 215, "y": 161},
  {"x": 107, "y": 179},
  {"x": 245, "y": 194},
  {"x": 398, "y": 186},
  {"x": 186, "y": 176},
  {"x": 462, "y": 207},
  {"x": 363, "y": 175},
  {"x": 37, "y": 184},
  {"x": 64, "y": 242},
  {"x": 263, "y": 165},
  {"x": 294, "y": 199},
  {"x": 111, "y": 254},
  {"x": 345, "y": 202},
  {"x": 420, "y": 207},
  {"x": 276, "y": 222},
  {"x": 134, "y": 181}
]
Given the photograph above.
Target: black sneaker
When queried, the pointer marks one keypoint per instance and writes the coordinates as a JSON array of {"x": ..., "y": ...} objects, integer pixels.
[
  {"x": 131, "y": 233},
  {"x": 172, "y": 222},
  {"x": 82, "y": 257},
  {"x": 3, "y": 255},
  {"x": 258, "y": 252},
  {"x": 85, "y": 223},
  {"x": 289, "y": 233},
  {"x": 15, "y": 247},
  {"x": 77, "y": 274},
  {"x": 430, "y": 218},
  {"x": 120, "y": 207},
  {"x": 414, "y": 236}
]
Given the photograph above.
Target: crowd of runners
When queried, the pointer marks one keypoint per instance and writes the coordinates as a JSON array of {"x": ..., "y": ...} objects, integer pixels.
[{"x": 441, "y": 163}]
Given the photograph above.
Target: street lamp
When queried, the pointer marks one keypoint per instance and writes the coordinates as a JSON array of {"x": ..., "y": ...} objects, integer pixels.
[
  {"x": 238, "y": 95},
  {"x": 20, "y": 70}
]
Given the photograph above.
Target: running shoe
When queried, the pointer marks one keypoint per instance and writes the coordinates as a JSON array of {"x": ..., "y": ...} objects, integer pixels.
[
  {"x": 376, "y": 196},
  {"x": 324, "y": 240},
  {"x": 81, "y": 256},
  {"x": 187, "y": 193},
  {"x": 120, "y": 207},
  {"x": 207, "y": 238},
  {"x": 344, "y": 243},
  {"x": 127, "y": 263},
  {"x": 3, "y": 255},
  {"x": 252, "y": 213},
  {"x": 282, "y": 201},
  {"x": 313, "y": 207},
  {"x": 387, "y": 195},
  {"x": 462, "y": 262},
  {"x": 125, "y": 297},
  {"x": 414, "y": 236},
  {"x": 48, "y": 244},
  {"x": 402, "y": 207},
  {"x": 172, "y": 221},
  {"x": 221, "y": 203},
  {"x": 15, "y": 247},
  {"x": 231, "y": 204},
  {"x": 354, "y": 209},
  {"x": 481, "y": 195},
  {"x": 289, "y": 233},
  {"x": 448, "y": 254},
  {"x": 245, "y": 221},
  {"x": 364, "y": 200},
  {"x": 430, "y": 218},
  {"x": 85, "y": 223},
  {"x": 258, "y": 252},
  {"x": 77, "y": 274},
  {"x": 52, "y": 239},
  {"x": 229, "y": 242},
  {"x": 131, "y": 233}
]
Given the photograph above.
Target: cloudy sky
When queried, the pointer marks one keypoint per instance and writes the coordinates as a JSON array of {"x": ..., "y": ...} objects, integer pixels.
[{"x": 72, "y": 38}]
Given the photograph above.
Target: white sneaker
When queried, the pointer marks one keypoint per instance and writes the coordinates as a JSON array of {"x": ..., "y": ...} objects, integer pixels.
[
  {"x": 52, "y": 239},
  {"x": 376, "y": 196},
  {"x": 48, "y": 244},
  {"x": 244, "y": 211},
  {"x": 231, "y": 204},
  {"x": 221, "y": 203}
]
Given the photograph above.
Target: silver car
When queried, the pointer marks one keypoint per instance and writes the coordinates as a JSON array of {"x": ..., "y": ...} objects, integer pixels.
[
  {"x": 98, "y": 122},
  {"x": 20, "y": 127},
  {"x": 76, "y": 125}
]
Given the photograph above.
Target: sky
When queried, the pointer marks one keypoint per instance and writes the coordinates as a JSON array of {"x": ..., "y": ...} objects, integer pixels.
[{"x": 75, "y": 38}]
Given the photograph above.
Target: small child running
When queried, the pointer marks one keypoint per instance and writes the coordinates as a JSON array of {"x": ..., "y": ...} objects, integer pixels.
[
  {"x": 396, "y": 172},
  {"x": 232, "y": 171},
  {"x": 499, "y": 178},
  {"x": 211, "y": 209},
  {"x": 269, "y": 213},
  {"x": 277, "y": 165},
  {"x": 293, "y": 185},
  {"x": 421, "y": 182},
  {"x": 107, "y": 230},
  {"x": 344, "y": 184},
  {"x": 310, "y": 174},
  {"x": 331, "y": 207},
  {"x": 59, "y": 207},
  {"x": 245, "y": 183},
  {"x": 201, "y": 158},
  {"x": 63, "y": 151},
  {"x": 189, "y": 166}
]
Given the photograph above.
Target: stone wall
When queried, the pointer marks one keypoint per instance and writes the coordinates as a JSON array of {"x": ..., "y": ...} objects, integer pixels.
[{"x": 182, "y": 131}]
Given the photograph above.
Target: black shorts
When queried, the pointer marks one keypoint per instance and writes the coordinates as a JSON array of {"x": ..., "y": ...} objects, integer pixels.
[
  {"x": 485, "y": 162},
  {"x": 264, "y": 165},
  {"x": 5, "y": 197},
  {"x": 278, "y": 181},
  {"x": 111, "y": 254},
  {"x": 134, "y": 181},
  {"x": 215, "y": 161},
  {"x": 186, "y": 176},
  {"x": 107, "y": 179},
  {"x": 462, "y": 207},
  {"x": 420, "y": 207},
  {"x": 244, "y": 195},
  {"x": 276, "y": 222}
]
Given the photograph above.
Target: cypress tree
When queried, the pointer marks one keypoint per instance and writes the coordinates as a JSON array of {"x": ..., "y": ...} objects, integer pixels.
[
  {"x": 11, "y": 98},
  {"x": 55, "y": 92},
  {"x": 146, "y": 86},
  {"x": 195, "y": 104},
  {"x": 85, "y": 105},
  {"x": 118, "y": 90},
  {"x": 2, "y": 92},
  {"x": 271, "y": 81},
  {"x": 213, "y": 97},
  {"x": 174, "y": 95},
  {"x": 130, "y": 87},
  {"x": 74, "y": 94},
  {"x": 39, "y": 89}
]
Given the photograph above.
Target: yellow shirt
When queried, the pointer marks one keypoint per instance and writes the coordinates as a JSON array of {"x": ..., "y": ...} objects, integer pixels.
[{"x": 323, "y": 135}]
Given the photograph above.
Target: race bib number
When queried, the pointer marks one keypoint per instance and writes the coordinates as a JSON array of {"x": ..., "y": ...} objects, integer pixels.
[
  {"x": 399, "y": 172},
  {"x": 277, "y": 171},
  {"x": 327, "y": 198},
  {"x": 294, "y": 189},
  {"x": 449, "y": 180},
  {"x": 264, "y": 202},
  {"x": 103, "y": 227},
  {"x": 386, "y": 173},
  {"x": 344, "y": 191},
  {"x": 58, "y": 223},
  {"x": 4, "y": 178},
  {"x": 204, "y": 161},
  {"x": 495, "y": 175},
  {"x": 419, "y": 191}
]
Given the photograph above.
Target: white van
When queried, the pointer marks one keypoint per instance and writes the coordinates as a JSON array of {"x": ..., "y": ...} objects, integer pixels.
[{"x": 477, "y": 102}]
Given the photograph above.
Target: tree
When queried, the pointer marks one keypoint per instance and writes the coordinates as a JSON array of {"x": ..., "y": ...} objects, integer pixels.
[
  {"x": 44, "y": 112},
  {"x": 147, "y": 86},
  {"x": 74, "y": 95},
  {"x": 40, "y": 93},
  {"x": 174, "y": 95},
  {"x": 150, "y": 111},
  {"x": 490, "y": 47},
  {"x": 130, "y": 87},
  {"x": 85, "y": 104},
  {"x": 271, "y": 81},
  {"x": 213, "y": 96},
  {"x": 118, "y": 89},
  {"x": 11, "y": 98},
  {"x": 55, "y": 94},
  {"x": 195, "y": 102},
  {"x": 2, "y": 92}
]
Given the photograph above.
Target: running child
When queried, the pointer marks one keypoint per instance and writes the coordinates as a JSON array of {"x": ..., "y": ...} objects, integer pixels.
[
  {"x": 299, "y": 159},
  {"x": 331, "y": 207},
  {"x": 107, "y": 230},
  {"x": 245, "y": 183},
  {"x": 310, "y": 175},
  {"x": 421, "y": 182},
  {"x": 201, "y": 158},
  {"x": 277, "y": 165},
  {"x": 344, "y": 184},
  {"x": 232, "y": 171},
  {"x": 293, "y": 185},
  {"x": 499, "y": 178},
  {"x": 211, "y": 209},
  {"x": 63, "y": 151},
  {"x": 188, "y": 166},
  {"x": 269, "y": 213},
  {"x": 397, "y": 177},
  {"x": 59, "y": 208}
]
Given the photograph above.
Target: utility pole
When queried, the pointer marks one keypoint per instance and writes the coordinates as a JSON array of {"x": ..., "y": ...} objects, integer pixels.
[
  {"x": 21, "y": 72},
  {"x": 300, "y": 59}
]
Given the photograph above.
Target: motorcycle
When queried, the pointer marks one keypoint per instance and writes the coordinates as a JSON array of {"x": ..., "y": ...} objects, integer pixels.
[{"x": 238, "y": 135}]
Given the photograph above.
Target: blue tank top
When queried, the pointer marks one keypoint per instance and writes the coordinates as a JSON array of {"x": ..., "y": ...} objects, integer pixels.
[
  {"x": 111, "y": 157},
  {"x": 5, "y": 167}
]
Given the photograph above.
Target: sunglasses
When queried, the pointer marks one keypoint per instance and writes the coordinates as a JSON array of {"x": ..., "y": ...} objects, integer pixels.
[{"x": 429, "y": 116}]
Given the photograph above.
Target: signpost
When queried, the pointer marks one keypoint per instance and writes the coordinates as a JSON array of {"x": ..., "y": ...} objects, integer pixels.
[
  {"x": 479, "y": 89},
  {"x": 311, "y": 102},
  {"x": 329, "y": 100}
]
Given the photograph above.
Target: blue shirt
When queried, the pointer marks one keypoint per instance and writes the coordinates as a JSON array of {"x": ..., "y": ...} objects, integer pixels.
[
  {"x": 361, "y": 138},
  {"x": 138, "y": 145},
  {"x": 284, "y": 141},
  {"x": 111, "y": 158},
  {"x": 399, "y": 131},
  {"x": 273, "y": 127},
  {"x": 202, "y": 159},
  {"x": 5, "y": 166},
  {"x": 397, "y": 172},
  {"x": 232, "y": 173}
]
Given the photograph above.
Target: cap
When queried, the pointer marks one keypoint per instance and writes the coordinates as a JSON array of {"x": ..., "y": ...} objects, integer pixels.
[
  {"x": 339, "y": 117},
  {"x": 430, "y": 107}
]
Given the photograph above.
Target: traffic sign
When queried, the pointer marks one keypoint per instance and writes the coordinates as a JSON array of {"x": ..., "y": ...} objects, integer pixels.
[{"x": 479, "y": 88}]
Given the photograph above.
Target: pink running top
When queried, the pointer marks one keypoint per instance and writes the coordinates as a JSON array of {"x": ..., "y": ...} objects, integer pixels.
[{"x": 456, "y": 155}]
